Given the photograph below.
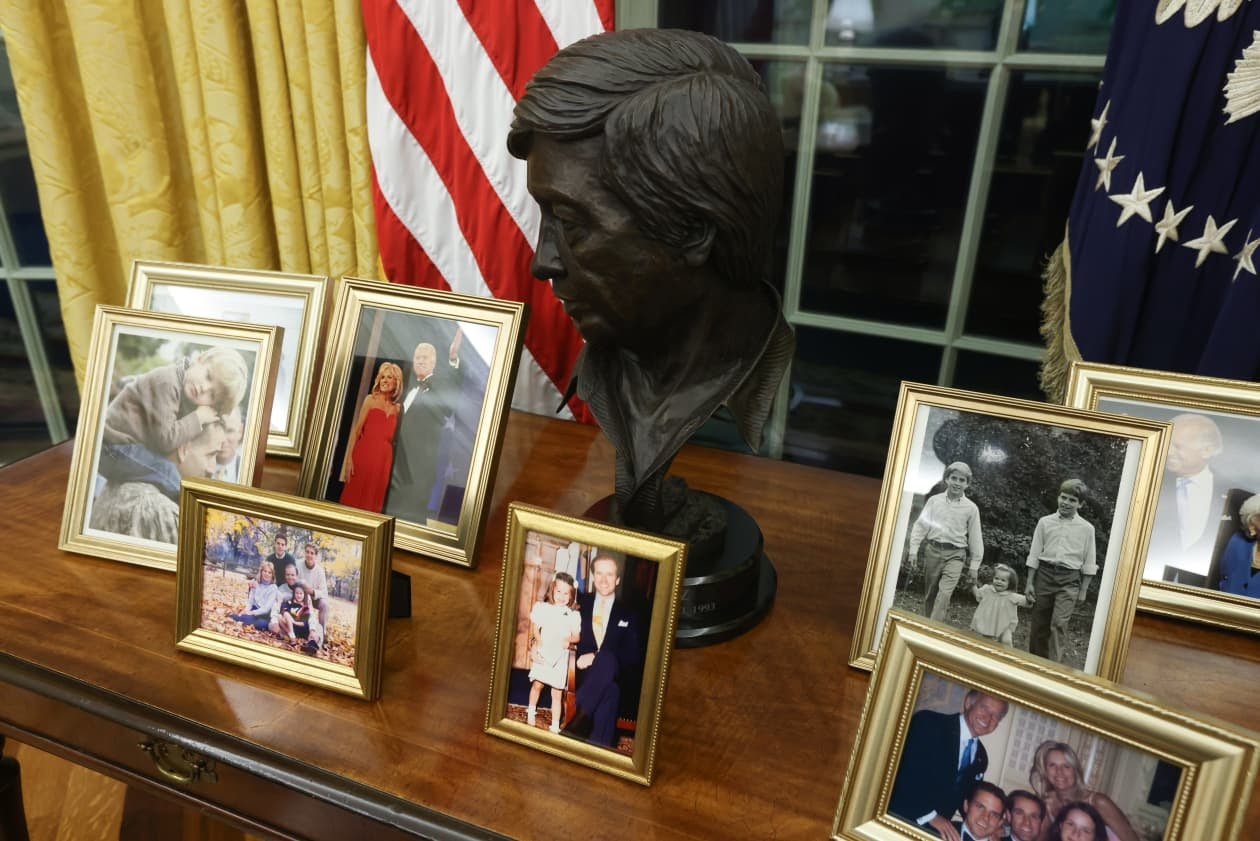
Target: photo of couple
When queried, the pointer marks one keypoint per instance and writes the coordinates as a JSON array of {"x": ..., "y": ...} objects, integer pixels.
[
  {"x": 581, "y": 635},
  {"x": 975, "y": 767},
  {"x": 281, "y": 586},
  {"x": 1009, "y": 530},
  {"x": 409, "y": 422},
  {"x": 174, "y": 409}
]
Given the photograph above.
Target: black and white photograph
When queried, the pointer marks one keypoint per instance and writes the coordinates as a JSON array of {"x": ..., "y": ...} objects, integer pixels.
[{"x": 1013, "y": 524}]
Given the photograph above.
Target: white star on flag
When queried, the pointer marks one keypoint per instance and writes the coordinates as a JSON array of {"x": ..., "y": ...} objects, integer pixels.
[
  {"x": 1167, "y": 227},
  {"x": 1244, "y": 257},
  {"x": 1137, "y": 201},
  {"x": 1106, "y": 165},
  {"x": 1210, "y": 240},
  {"x": 1096, "y": 126}
]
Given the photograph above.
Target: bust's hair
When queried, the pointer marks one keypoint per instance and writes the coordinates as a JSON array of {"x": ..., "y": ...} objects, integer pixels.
[{"x": 691, "y": 143}]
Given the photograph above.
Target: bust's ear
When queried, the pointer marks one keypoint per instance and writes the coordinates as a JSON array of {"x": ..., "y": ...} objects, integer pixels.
[{"x": 695, "y": 251}]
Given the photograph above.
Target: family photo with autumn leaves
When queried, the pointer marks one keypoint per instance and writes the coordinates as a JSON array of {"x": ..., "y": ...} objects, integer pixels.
[{"x": 288, "y": 588}]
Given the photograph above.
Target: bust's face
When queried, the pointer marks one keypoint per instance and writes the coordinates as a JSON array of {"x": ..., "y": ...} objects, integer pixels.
[{"x": 618, "y": 285}]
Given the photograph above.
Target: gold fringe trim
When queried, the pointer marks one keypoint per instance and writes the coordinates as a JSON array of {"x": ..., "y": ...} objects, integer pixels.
[{"x": 1056, "y": 328}]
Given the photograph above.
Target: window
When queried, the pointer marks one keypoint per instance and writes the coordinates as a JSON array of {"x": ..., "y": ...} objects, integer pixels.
[{"x": 932, "y": 150}]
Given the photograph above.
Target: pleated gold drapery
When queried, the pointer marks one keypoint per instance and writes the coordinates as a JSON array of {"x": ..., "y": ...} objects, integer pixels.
[{"x": 229, "y": 132}]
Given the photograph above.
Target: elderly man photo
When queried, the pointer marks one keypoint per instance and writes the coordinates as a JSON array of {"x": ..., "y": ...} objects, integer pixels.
[
  {"x": 427, "y": 403},
  {"x": 657, "y": 163},
  {"x": 1191, "y": 502},
  {"x": 141, "y": 496},
  {"x": 609, "y": 648},
  {"x": 941, "y": 762}
]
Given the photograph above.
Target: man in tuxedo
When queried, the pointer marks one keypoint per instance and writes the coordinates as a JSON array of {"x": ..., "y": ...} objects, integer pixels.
[
  {"x": 1027, "y": 815},
  {"x": 984, "y": 814},
  {"x": 609, "y": 647},
  {"x": 942, "y": 761},
  {"x": 426, "y": 406},
  {"x": 1191, "y": 502}
]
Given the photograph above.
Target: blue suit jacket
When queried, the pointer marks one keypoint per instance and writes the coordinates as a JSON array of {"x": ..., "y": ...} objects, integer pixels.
[{"x": 927, "y": 774}]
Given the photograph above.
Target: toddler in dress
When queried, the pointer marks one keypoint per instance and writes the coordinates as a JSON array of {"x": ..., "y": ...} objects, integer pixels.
[
  {"x": 554, "y": 626},
  {"x": 998, "y": 612}
]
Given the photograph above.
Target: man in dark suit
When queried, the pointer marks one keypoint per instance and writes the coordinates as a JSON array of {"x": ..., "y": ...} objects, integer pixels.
[
  {"x": 609, "y": 647},
  {"x": 984, "y": 814},
  {"x": 942, "y": 761},
  {"x": 1191, "y": 503},
  {"x": 426, "y": 405}
]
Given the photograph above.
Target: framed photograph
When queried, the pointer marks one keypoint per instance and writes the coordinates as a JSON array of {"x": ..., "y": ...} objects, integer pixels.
[
  {"x": 284, "y": 585},
  {"x": 409, "y": 416},
  {"x": 963, "y": 736},
  {"x": 294, "y": 302},
  {"x": 165, "y": 398},
  {"x": 1203, "y": 543},
  {"x": 1013, "y": 520},
  {"x": 587, "y": 615}
]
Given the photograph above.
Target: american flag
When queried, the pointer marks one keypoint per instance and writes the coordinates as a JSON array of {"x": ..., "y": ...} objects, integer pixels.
[
  {"x": 452, "y": 210},
  {"x": 1164, "y": 232}
]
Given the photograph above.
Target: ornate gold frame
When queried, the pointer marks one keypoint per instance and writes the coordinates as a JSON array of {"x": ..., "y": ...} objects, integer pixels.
[
  {"x": 352, "y": 296},
  {"x": 75, "y": 535},
  {"x": 310, "y": 290},
  {"x": 883, "y": 561},
  {"x": 1218, "y": 760},
  {"x": 197, "y": 496},
  {"x": 1090, "y": 382},
  {"x": 671, "y": 557}
]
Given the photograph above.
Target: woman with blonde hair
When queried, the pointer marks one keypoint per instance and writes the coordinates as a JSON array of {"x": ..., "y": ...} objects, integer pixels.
[
  {"x": 1057, "y": 776},
  {"x": 370, "y": 446},
  {"x": 1240, "y": 562}
]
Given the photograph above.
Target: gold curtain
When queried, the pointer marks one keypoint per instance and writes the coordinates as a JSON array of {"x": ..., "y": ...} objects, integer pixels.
[{"x": 228, "y": 132}]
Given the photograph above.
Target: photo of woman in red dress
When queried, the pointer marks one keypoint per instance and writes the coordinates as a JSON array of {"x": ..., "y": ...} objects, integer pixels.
[{"x": 370, "y": 455}]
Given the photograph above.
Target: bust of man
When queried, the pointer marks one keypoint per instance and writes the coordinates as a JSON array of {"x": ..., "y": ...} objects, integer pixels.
[{"x": 657, "y": 163}]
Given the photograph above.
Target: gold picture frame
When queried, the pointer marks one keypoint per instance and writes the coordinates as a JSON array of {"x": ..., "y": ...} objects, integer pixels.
[
  {"x": 543, "y": 547},
  {"x": 1165, "y": 770},
  {"x": 293, "y": 301},
  {"x": 338, "y": 640},
  {"x": 1018, "y": 454},
  {"x": 1186, "y": 578},
  {"x": 427, "y": 452},
  {"x": 121, "y": 498}
]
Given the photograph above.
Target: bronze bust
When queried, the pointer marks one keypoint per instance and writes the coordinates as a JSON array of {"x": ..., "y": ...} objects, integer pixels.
[{"x": 657, "y": 162}]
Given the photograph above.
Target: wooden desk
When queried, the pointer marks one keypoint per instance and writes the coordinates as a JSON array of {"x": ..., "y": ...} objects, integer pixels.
[{"x": 756, "y": 732}]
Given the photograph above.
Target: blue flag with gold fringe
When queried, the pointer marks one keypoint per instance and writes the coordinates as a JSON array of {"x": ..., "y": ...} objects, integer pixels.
[{"x": 1158, "y": 268}]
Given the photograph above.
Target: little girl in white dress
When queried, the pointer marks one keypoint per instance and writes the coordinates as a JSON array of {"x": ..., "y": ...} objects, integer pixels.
[
  {"x": 998, "y": 611},
  {"x": 555, "y": 625}
]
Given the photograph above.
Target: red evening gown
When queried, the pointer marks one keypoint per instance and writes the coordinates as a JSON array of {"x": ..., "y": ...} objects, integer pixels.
[{"x": 373, "y": 457}]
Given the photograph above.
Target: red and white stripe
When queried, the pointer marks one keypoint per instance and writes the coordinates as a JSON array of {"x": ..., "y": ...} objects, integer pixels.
[{"x": 452, "y": 210}]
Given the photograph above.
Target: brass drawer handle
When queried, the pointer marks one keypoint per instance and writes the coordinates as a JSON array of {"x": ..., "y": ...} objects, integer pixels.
[{"x": 177, "y": 764}]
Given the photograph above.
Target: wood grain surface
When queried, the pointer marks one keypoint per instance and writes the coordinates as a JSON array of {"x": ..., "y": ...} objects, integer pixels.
[{"x": 756, "y": 732}]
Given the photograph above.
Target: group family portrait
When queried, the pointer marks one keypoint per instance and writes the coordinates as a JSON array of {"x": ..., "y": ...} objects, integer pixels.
[
  {"x": 1009, "y": 529},
  {"x": 976, "y": 767},
  {"x": 581, "y": 634},
  {"x": 410, "y": 416},
  {"x": 282, "y": 586},
  {"x": 175, "y": 407}
]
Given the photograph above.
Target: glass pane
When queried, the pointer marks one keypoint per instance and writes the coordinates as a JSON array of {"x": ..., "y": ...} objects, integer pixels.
[
  {"x": 741, "y": 21},
  {"x": 17, "y": 179},
  {"x": 22, "y": 427},
  {"x": 939, "y": 24},
  {"x": 891, "y": 173},
  {"x": 1067, "y": 26},
  {"x": 784, "y": 82},
  {"x": 1004, "y": 375},
  {"x": 844, "y": 394},
  {"x": 1045, "y": 126},
  {"x": 56, "y": 347}
]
